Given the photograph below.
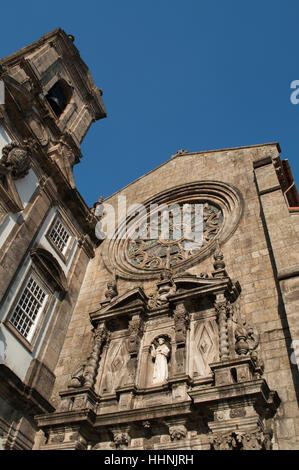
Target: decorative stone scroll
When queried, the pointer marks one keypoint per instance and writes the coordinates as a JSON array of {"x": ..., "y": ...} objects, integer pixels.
[
  {"x": 165, "y": 288},
  {"x": 77, "y": 379}
]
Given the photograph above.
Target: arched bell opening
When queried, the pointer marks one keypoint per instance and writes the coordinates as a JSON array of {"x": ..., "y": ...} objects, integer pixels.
[{"x": 59, "y": 96}]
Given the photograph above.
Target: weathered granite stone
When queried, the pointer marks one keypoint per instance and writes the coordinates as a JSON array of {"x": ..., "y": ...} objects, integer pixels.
[{"x": 226, "y": 312}]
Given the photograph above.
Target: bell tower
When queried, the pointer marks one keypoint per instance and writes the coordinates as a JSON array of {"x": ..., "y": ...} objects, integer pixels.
[
  {"x": 47, "y": 231},
  {"x": 54, "y": 96}
]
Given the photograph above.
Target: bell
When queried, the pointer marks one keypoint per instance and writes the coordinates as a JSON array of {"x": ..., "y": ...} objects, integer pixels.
[
  {"x": 55, "y": 104},
  {"x": 57, "y": 99}
]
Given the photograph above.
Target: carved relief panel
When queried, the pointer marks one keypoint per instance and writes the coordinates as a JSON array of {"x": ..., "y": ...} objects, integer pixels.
[
  {"x": 204, "y": 347},
  {"x": 113, "y": 371}
]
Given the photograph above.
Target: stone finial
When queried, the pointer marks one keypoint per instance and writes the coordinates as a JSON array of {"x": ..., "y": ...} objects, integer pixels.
[
  {"x": 111, "y": 291},
  {"x": 247, "y": 337},
  {"x": 218, "y": 257},
  {"x": 219, "y": 264}
]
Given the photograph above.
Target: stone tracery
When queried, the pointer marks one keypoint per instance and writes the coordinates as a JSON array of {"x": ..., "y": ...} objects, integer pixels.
[
  {"x": 167, "y": 252},
  {"x": 160, "y": 245}
]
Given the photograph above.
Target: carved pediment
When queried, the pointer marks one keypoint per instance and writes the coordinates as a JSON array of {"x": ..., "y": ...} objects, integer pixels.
[
  {"x": 184, "y": 286},
  {"x": 193, "y": 285},
  {"x": 187, "y": 282},
  {"x": 132, "y": 298}
]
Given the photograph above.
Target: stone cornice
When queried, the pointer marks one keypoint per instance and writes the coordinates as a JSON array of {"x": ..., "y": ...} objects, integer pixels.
[
  {"x": 110, "y": 419},
  {"x": 65, "y": 417},
  {"x": 26, "y": 397},
  {"x": 256, "y": 390}
]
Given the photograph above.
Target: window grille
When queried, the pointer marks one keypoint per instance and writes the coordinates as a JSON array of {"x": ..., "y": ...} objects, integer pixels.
[
  {"x": 60, "y": 236},
  {"x": 28, "y": 309}
]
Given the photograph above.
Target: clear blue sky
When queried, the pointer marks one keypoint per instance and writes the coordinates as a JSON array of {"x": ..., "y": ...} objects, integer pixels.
[{"x": 190, "y": 74}]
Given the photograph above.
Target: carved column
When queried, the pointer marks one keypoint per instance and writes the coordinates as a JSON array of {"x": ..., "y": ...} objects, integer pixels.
[
  {"x": 222, "y": 309},
  {"x": 101, "y": 335},
  {"x": 181, "y": 324},
  {"x": 135, "y": 329}
]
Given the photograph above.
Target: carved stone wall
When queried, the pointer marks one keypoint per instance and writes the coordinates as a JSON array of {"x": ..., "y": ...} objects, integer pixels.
[
  {"x": 113, "y": 371},
  {"x": 205, "y": 347},
  {"x": 226, "y": 312},
  {"x": 36, "y": 182},
  {"x": 214, "y": 350}
]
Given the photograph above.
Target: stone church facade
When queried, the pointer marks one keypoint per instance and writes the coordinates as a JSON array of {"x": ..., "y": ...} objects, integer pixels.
[{"x": 138, "y": 343}]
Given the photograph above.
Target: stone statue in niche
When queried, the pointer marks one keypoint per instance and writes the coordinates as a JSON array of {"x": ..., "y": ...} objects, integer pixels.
[{"x": 160, "y": 353}]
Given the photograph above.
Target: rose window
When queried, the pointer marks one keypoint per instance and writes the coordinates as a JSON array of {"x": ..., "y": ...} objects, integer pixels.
[
  {"x": 176, "y": 239},
  {"x": 146, "y": 242}
]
